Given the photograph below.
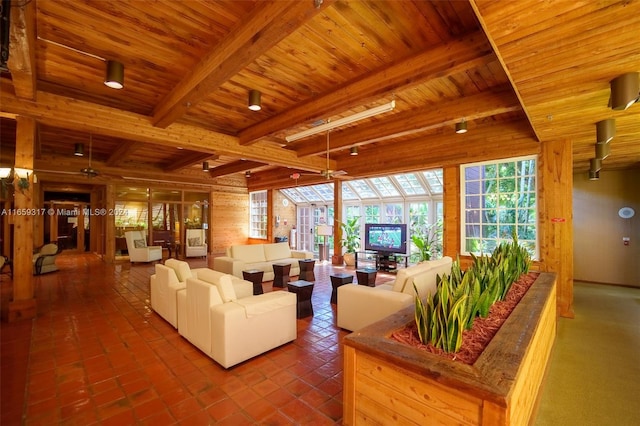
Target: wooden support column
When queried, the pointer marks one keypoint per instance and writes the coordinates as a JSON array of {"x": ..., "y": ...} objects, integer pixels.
[
  {"x": 110, "y": 225},
  {"x": 556, "y": 219},
  {"x": 451, "y": 199},
  {"x": 23, "y": 305},
  {"x": 80, "y": 227},
  {"x": 337, "y": 258}
]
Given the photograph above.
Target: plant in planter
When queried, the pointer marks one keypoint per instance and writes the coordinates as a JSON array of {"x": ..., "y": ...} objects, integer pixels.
[
  {"x": 461, "y": 296},
  {"x": 350, "y": 239},
  {"x": 427, "y": 240}
]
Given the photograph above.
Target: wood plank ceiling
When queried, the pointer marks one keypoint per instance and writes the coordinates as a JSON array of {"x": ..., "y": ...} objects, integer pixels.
[{"x": 514, "y": 71}]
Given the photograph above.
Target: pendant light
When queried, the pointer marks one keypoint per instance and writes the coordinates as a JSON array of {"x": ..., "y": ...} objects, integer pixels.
[{"x": 115, "y": 75}]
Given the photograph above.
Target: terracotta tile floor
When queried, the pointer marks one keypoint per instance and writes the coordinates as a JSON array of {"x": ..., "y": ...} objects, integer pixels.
[{"x": 97, "y": 354}]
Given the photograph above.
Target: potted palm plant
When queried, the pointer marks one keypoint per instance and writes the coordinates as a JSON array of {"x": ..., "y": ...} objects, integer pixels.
[{"x": 350, "y": 239}]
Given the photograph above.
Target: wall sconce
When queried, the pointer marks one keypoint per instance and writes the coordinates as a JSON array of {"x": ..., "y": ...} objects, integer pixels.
[
  {"x": 461, "y": 127},
  {"x": 254, "y": 100},
  {"x": 22, "y": 175},
  {"x": 5, "y": 172},
  {"x": 79, "y": 150},
  {"x": 114, "y": 77},
  {"x": 247, "y": 174},
  {"x": 605, "y": 130},
  {"x": 625, "y": 91},
  {"x": 354, "y": 150},
  {"x": 205, "y": 166}
]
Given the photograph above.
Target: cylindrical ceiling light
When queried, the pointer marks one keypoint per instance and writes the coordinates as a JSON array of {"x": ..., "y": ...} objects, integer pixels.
[
  {"x": 79, "y": 150},
  {"x": 115, "y": 75},
  {"x": 354, "y": 150},
  {"x": 595, "y": 164},
  {"x": 594, "y": 175},
  {"x": 205, "y": 166},
  {"x": 247, "y": 174},
  {"x": 605, "y": 130},
  {"x": 603, "y": 150},
  {"x": 625, "y": 90},
  {"x": 254, "y": 100},
  {"x": 461, "y": 127}
]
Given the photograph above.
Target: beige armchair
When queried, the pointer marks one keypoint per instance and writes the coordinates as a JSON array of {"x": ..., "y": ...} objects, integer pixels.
[
  {"x": 196, "y": 243},
  {"x": 138, "y": 249},
  {"x": 45, "y": 259}
]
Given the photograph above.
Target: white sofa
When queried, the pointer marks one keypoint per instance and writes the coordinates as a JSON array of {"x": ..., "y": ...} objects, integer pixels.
[
  {"x": 171, "y": 278},
  {"x": 138, "y": 249},
  {"x": 229, "y": 328},
  {"x": 359, "y": 306},
  {"x": 259, "y": 256}
]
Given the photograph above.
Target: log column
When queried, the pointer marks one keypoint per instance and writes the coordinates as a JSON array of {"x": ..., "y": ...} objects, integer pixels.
[
  {"x": 23, "y": 305},
  {"x": 337, "y": 257}
]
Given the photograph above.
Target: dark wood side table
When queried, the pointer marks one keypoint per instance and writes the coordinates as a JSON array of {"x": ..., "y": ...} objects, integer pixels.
[
  {"x": 281, "y": 274},
  {"x": 336, "y": 281},
  {"x": 255, "y": 276},
  {"x": 306, "y": 269},
  {"x": 367, "y": 276},
  {"x": 303, "y": 290}
]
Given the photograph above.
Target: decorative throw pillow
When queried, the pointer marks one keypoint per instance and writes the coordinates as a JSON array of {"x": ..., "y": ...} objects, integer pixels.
[
  {"x": 194, "y": 242},
  {"x": 139, "y": 243}
]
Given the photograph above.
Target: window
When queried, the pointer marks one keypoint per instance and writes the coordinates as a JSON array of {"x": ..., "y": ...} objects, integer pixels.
[
  {"x": 372, "y": 213},
  {"x": 498, "y": 198},
  {"x": 393, "y": 213},
  {"x": 258, "y": 214}
]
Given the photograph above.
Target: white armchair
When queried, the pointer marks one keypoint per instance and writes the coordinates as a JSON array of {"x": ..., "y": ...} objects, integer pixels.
[
  {"x": 196, "y": 243},
  {"x": 138, "y": 249},
  {"x": 231, "y": 329},
  {"x": 45, "y": 259}
]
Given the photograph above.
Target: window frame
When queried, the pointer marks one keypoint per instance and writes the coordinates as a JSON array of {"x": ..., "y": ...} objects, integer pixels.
[
  {"x": 258, "y": 206},
  {"x": 487, "y": 243}
]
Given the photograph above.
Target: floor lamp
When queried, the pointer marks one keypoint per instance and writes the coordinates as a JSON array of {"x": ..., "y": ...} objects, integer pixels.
[{"x": 324, "y": 231}]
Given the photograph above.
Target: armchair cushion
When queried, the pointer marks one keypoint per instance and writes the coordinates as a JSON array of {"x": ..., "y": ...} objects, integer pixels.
[
  {"x": 225, "y": 287},
  {"x": 182, "y": 269},
  {"x": 194, "y": 242},
  {"x": 140, "y": 243}
]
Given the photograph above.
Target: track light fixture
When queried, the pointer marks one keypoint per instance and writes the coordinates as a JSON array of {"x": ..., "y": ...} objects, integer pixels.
[
  {"x": 115, "y": 75},
  {"x": 354, "y": 150},
  {"x": 605, "y": 130},
  {"x": 205, "y": 166},
  {"x": 254, "y": 100},
  {"x": 603, "y": 150},
  {"x": 247, "y": 174},
  {"x": 79, "y": 150},
  {"x": 625, "y": 91},
  {"x": 461, "y": 127}
]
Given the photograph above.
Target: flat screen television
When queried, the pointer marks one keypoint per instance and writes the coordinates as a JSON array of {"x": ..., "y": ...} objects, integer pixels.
[{"x": 386, "y": 237}]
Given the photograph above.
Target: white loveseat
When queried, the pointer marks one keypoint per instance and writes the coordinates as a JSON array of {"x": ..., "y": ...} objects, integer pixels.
[
  {"x": 359, "y": 306},
  {"x": 229, "y": 328},
  {"x": 259, "y": 256},
  {"x": 171, "y": 278}
]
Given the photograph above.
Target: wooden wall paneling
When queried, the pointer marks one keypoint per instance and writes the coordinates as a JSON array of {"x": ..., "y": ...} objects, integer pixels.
[
  {"x": 230, "y": 220},
  {"x": 23, "y": 305},
  {"x": 556, "y": 218},
  {"x": 451, "y": 198},
  {"x": 287, "y": 216},
  {"x": 38, "y": 220},
  {"x": 110, "y": 225}
]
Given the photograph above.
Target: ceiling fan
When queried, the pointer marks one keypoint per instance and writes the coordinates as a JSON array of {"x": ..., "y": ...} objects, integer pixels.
[
  {"x": 89, "y": 171},
  {"x": 327, "y": 173}
]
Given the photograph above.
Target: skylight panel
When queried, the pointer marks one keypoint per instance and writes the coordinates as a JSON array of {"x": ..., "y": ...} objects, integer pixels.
[
  {"x": 410, "y": 184},
  {"x": 434, "y": 179},
  {"x": 362, "y": 189},
  {"x": 384, "y": 187}
]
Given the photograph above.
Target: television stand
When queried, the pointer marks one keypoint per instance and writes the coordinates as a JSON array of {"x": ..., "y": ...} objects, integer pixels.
[{"x": 388, "y": 262}]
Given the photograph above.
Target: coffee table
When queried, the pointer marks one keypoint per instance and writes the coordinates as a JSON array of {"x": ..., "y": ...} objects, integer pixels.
[
  {"x": 306, "y": 269},
  {"x": 336, "y": 281},
  {"x": 255, "y": 276},
  {"x": 303, "y": 290},
  {"x": 366, "y": 276},
  {"x": 281, "y": 274}
]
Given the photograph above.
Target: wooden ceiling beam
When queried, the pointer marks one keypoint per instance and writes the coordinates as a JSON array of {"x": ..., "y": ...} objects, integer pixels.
[
  {"x": 419, "y": 120},
  {"x": 124, "y": 150},
  {"x": 445, "y": 60},
  {"x": 268, "y": 24},
  {"x": 234, "y": 167},
  {"x": 63, "y": 112},
  {"x": 189, "y": 160},
  {"x": 22, "y": 49}
]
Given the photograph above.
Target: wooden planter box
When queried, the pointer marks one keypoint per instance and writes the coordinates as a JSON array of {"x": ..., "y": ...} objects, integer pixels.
[{"x": 387, "y": 382}]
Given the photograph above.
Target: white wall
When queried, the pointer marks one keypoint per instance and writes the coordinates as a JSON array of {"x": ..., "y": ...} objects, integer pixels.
[{"x": 599, "y": 253}]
